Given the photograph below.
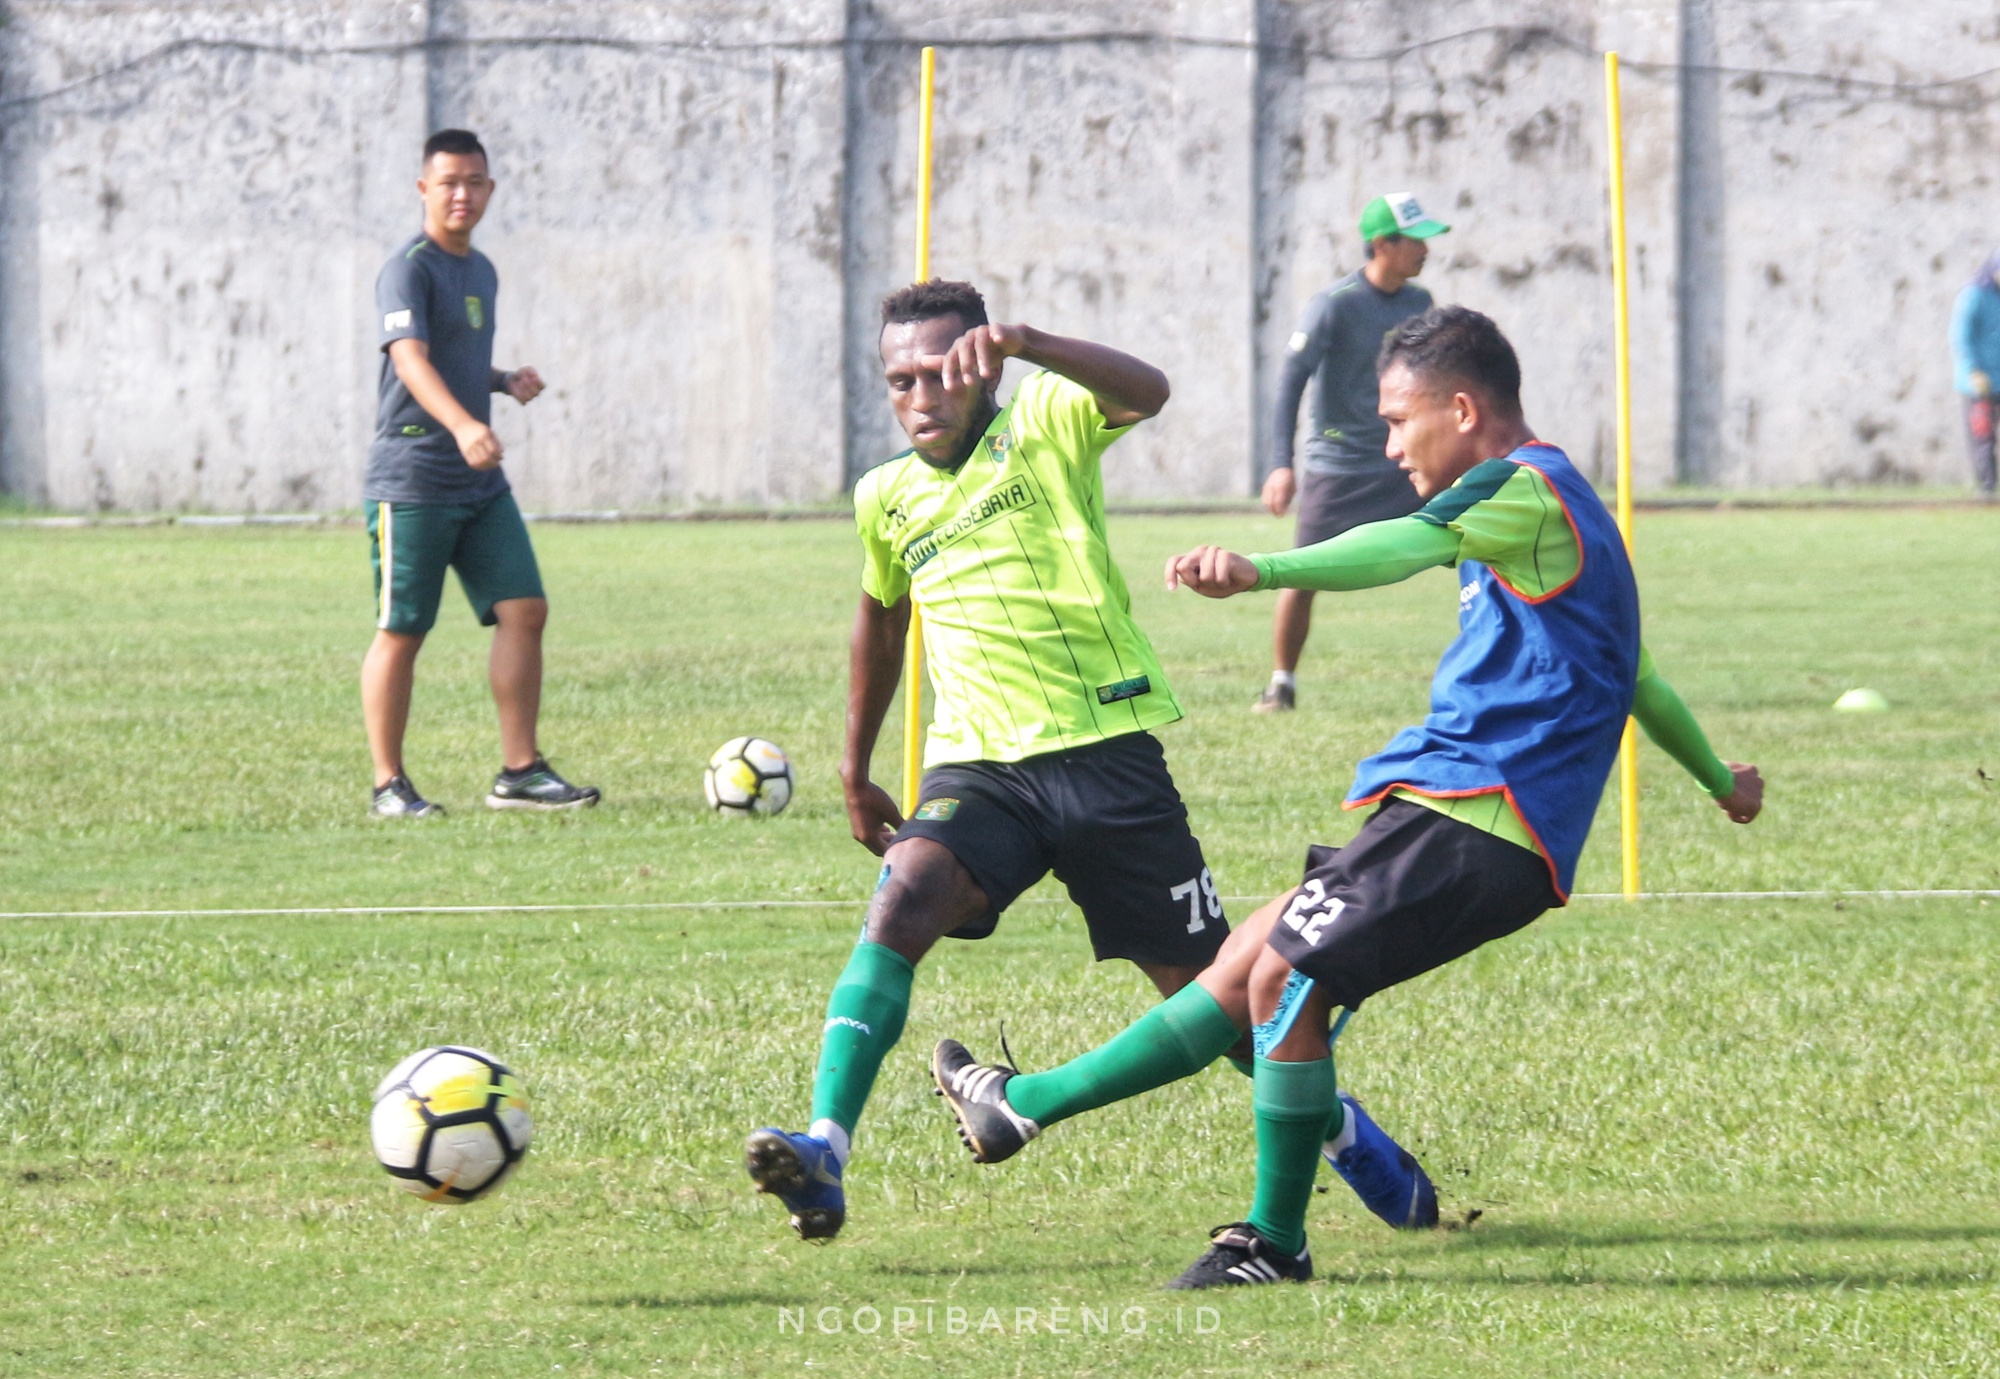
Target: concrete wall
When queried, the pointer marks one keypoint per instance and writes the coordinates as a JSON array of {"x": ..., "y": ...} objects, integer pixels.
[
  {"x": 1828, "y": 227},
  {"x": 1501, "y": 134},
  {"x": 701, "y": 201}
]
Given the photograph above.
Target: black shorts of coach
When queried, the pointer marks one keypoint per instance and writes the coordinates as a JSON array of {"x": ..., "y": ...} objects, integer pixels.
[
  {"x": 1107, "y": 820},
  {"x": 1413, "y": 891},
  {"x": 1332, "y": 502}
]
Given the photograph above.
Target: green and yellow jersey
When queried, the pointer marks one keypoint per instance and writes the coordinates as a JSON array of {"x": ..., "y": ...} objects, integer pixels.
[{"x": 1028, "y": 631}]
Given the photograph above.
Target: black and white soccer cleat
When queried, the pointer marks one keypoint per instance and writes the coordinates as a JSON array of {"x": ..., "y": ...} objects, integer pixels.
[
  {"x": 538, "y": 787},
  {"x": 1238, "y": 1255},
  {"x": 977, "y": 1095}
]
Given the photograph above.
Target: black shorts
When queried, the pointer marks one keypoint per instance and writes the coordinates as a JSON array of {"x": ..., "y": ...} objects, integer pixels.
[
  {"x": 1414, "y": 890},
  {"x": 1330, "y": 504},
  {"x": 1107, "y": 820}
]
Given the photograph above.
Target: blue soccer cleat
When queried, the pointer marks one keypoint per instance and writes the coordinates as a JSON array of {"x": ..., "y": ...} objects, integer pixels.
[
  {"x": 1384, "y": 1175},
  {"x": 803, "y": 1174}
]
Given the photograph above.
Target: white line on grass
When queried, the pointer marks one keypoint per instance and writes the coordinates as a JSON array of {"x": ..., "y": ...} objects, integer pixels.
[
  {"x": 1789, "y": 895},
  {"x": 305, "y": 910}
]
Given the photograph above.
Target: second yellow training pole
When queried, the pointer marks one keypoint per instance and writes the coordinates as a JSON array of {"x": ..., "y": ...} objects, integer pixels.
[
  {"x": 1628, "y": 748},
  {"x": 913, "y": 656}
]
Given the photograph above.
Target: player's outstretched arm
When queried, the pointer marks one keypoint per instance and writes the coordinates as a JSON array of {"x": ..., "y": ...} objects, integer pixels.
[
  {"x": 1736, "y": 787},
  {"x": 875, "y": 664},
  {"x": 1365, "y": 557},
  {"x": 1128, "y": 390}
]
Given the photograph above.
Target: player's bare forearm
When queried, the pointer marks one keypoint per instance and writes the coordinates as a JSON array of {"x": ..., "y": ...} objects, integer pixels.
[
  {"x": 1127, "y": 389},
  {"x": 874, "y": 669},
  {"x": 412, "y": 359},
  {"x": 476, "y": 441},
  {"x": 875, "y": 665}
]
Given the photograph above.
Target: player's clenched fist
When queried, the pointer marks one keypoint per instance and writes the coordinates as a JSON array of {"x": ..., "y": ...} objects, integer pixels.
[
  {"x": 476, "y": 441},
  {"x": 1743, "y": 803},
  {"x": 1212, "y": 572},
  {"x": 479, "y": 444},
  {"x": 524, "y": 385},
  {"x": 872, "y": 816},
  {"x": 977, "y": 356},
  {"x": 1279, "y": 490}
]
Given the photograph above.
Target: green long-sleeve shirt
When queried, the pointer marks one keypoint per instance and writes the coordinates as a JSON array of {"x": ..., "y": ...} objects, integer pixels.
[{"x": 1512, "y": 523}]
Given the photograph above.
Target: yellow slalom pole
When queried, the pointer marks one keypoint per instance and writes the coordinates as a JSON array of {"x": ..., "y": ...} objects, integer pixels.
[
  {"x": 1628, "y": 747},
  {"x": 913, "y": 656}
]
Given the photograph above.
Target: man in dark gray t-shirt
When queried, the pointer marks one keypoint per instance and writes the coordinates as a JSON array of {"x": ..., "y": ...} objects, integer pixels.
[
  {"x": 1349, "y": 478},
  {"x": 426, "y": 293},
  {"x": 437, "y": 498}
]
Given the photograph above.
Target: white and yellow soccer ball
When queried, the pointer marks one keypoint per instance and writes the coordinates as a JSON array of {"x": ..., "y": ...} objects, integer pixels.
[
  {"x": 450, "y": 1123},
  {"x": 748, "y": 775}
]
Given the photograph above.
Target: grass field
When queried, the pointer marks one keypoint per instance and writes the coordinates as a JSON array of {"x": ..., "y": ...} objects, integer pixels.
[{"x": 1705, "y": 1137}]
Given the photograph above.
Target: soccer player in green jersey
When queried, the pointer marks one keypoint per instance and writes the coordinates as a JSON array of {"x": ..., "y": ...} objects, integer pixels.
[{"x": 1041, "y": 756}]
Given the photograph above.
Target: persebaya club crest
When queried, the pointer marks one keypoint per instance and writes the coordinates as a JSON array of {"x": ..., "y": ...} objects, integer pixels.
[{"x": 475, "y": 313}]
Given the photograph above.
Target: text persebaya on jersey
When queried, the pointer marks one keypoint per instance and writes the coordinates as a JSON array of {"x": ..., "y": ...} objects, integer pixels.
[{"x": 1010, "y": 497}]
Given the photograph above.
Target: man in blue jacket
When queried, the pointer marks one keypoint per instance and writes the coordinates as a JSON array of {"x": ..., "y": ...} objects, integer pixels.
[{"x": 1975, "y": 362}]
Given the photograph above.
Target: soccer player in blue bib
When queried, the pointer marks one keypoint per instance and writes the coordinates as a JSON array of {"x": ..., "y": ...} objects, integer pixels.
[{"x": 1480, "y": 811}]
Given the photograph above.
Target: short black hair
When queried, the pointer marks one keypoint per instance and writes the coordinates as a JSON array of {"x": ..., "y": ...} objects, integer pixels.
[
  {"x": 1455, "y": 344},
  {"x": 461, "y": 141},
  {"x": 932, "y": 298},
  {"x": 1368, "y": 245}
]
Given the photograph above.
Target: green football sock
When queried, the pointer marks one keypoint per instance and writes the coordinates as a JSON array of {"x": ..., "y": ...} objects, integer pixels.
[
  {"x": 1294, "y": 1104},
  {"x": 1176, "y": 1038},
  {"x": 1338, "y": 1135},
  {"x": 864, "y": 1019},
  {"x": 1243, "y": 1065}
]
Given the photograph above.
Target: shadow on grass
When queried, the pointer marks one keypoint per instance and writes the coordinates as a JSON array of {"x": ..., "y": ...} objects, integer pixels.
[
  {"x": 1699, "y": 1256},
  {"x": 1529, "y": 1275},
  {"x": 1026, "y": 1268},
  {"x": 664, "y": 1302},
  {"x": 1543, "y": 1236},
  {"x": 906, "y": 1268}
]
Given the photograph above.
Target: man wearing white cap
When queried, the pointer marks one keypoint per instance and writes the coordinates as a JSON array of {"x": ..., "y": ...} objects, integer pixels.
[{"x": 1349, "y": 480}]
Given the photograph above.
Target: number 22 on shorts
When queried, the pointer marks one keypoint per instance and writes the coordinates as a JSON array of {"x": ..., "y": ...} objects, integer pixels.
[
  {"x": 1312, "y": 896},
  {"x": 1199, "y": 892}
]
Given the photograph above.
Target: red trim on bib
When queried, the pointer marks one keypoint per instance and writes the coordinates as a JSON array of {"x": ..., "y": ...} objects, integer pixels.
[{"x": 1575, "y": 535}]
